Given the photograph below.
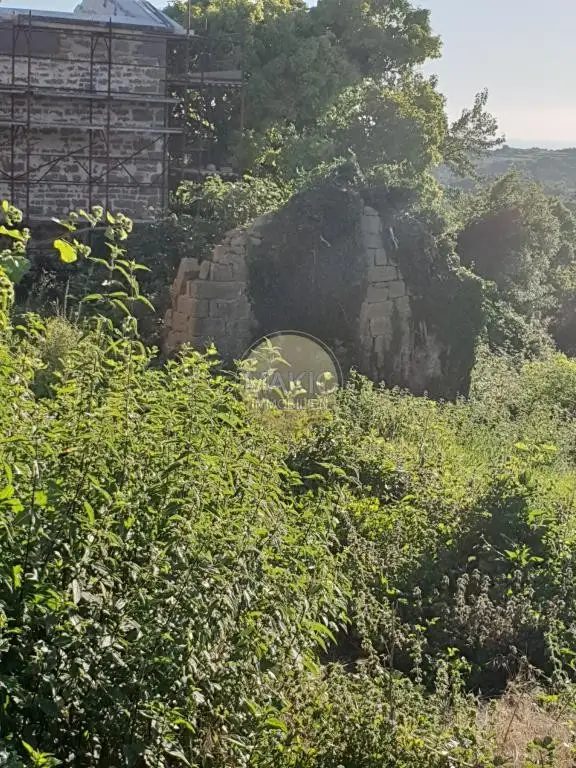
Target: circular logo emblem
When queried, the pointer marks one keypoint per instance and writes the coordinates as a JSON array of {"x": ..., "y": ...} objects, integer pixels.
[{"x": 290, "y": 369}]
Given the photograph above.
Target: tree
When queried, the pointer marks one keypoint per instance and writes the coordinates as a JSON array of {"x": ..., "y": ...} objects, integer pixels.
[
  {"x": 516, "y": 236},
  {"x": 512, "y": 238},
  {"x": 563, "y": 280},
  {"x": 470, "y": 137},
  {"x": 340, "y": 77}
]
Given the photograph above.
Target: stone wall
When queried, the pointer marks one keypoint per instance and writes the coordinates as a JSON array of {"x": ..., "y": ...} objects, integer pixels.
[
  {"x": 210, "y": 299},
  {"x": 211, "y": 304},
  {"x": 394, "y": 347},
  {"x": 63, "y": 150}
]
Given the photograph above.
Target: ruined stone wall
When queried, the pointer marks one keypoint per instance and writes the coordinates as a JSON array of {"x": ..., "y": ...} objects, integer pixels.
[
  {"x": 44, "y": 129},
  {"x": 211, "y": 304},
  {"x": 210, "y": 299},
  {"x": 395, "y": 348}
]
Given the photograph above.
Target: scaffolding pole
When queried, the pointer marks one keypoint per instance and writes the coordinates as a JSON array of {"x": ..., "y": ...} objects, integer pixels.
[{"x": 188, "y": 72}]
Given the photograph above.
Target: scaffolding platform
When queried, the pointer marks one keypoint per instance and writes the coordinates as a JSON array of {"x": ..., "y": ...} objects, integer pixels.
[{"x": 110, "y": 112}]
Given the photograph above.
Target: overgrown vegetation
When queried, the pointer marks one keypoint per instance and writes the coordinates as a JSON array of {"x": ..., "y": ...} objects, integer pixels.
[
  {"x": 186, "y": 579},
  {"x": 336, "y": 85},
  {"x": 385, "y": 581}
]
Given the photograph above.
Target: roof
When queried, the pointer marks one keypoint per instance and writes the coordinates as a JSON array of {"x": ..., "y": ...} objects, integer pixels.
[
  {"x": 133, "y": 13},
  {"x": 137, "y": 11}
]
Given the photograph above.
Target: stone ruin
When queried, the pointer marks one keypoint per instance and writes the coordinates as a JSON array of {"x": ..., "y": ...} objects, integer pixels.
[
  {"x": 210, "y": 300},
  {"x": 382, "y": 334}
]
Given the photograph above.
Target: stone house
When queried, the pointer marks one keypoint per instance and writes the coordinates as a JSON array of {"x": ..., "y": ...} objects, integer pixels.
[{"x": 87, "y": 108}]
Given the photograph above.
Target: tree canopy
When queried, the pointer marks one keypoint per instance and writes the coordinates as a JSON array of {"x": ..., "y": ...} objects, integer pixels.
[{"x": 341, "y": 77}]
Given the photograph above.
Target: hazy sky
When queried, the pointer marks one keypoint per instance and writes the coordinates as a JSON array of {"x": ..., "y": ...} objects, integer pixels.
[
  {"x": 523, "y": 55},
  {"x": 523, "y": 52}
]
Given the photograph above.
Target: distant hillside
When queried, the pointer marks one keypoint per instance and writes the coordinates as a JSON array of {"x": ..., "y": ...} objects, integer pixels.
[{"x": 555, "y": 169}]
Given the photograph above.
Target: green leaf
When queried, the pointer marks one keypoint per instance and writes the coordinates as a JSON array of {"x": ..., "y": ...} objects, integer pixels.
[
  {"x": 65, "y": 224},
  {"x": 88, "y": 508},
  {"x": 76, "y": 591},
  {"x": 274, "y": 722},
  {"x": 15, "y": 234},
  {"x": 321, "y": 629},
  {"x": 40, "y": 499},
  {"x": 67, "y": 251},
  {"x": 146, "y": 302},
  {"x": 17, "y": 576}
]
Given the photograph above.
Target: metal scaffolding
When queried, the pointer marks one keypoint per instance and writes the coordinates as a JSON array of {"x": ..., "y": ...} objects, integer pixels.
[{"x": 197, "y": 74}]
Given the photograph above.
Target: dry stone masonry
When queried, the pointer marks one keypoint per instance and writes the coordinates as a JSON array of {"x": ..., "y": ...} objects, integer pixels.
[
  {"x": 211, "y": 303},
  {"x": 393, "y": 346},
  {"x": 210, "y": 299}
]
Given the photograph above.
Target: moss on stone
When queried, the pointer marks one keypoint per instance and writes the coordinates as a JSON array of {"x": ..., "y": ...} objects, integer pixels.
[
  {"x": 309, "y": 272},
  {"x": 445, "y": 296}
]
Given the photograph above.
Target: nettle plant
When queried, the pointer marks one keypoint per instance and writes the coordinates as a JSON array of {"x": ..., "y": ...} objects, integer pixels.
[
  {"x": 120, "y": 286},
  {"x": 161, "y": 593}
]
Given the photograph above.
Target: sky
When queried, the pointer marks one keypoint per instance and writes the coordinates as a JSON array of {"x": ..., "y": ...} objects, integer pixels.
[{"x": 521, "y": 50}]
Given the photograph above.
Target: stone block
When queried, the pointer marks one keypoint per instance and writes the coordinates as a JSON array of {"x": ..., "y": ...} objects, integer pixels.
[
  {"x": 188, "y": 268},
  {"x": 240, "y": 272},
  {"x": 237, "y": 259},
  {"x": 185, "y": 304},
  {"x": 371, "y": 225},
  {"x": 374, "y": 309},
  {"x": 176, "y": 338},
  {"x": 180, "y": 322},
  {"x": 377, "y": 292},
  {"x": 202, "y": 308},
  {"x": 379, "y": 257},
  {"x": 372, "y": 239},
  {"x": 210, "y": 289},
  {"x": 381, "y": 326},
  {"x": 380, "y": 347},
  {"x": 238, "y": 240},
  {"x": 222, "y": 272},
  {"x": 192, "y": 307},
  {"x": 224, "y": 309},
  {"x": 207, "y": 327},
  {"x": 205, "y": 270},
  {"x": 402, "y": 304},
  {"x": 220, "y": 254},
  {"x": 397, "y": 289},
  {"x": 382, "y": 274}
]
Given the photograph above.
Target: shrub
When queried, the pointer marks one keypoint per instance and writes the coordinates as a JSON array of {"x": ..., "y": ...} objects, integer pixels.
[{"x": 187, "y": 580}]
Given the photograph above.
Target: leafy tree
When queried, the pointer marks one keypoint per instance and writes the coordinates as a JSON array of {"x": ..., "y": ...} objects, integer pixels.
[
  {"x": 522, "y": 240},
  {"x": 563, "y": 279},
  {"x": 470, "y": 137},
  {"x": 340, "y": 77},
  {"x": 400, "y": 127},
  {"x": 512, "y": 238}
]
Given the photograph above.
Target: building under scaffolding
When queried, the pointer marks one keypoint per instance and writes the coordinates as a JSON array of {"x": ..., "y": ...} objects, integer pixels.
[{"x": 110, "y": 105}]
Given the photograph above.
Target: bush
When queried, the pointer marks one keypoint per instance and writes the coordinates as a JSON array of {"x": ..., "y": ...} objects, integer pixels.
[{"x": 188, "y": 580}]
